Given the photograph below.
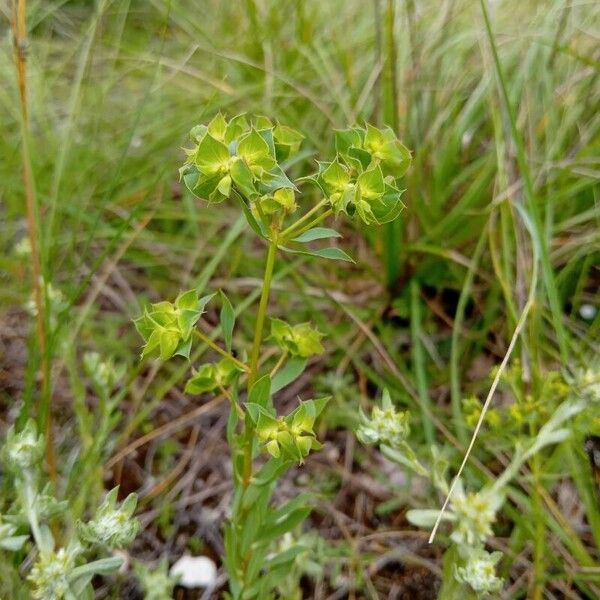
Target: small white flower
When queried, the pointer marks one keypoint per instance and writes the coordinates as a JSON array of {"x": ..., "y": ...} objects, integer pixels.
[
  {"x": 588, "y": 311},
  {"x": 195, "y": 571},
  {"x": 386, "y": 426},
  {"x": 50, "y": 574},
  {"x": 479, "y": 572},
  {"x": 23, "y": 450}
]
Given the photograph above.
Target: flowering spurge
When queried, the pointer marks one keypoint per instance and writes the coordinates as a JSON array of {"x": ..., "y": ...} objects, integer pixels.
[
  {"x": 66, "y": 572},
  {"x": 241, "y": 160}
]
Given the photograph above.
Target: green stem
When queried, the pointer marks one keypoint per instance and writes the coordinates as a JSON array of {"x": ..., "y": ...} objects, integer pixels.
[
  {"x": 539, "y": 533},
  {"x": 262, "y": 311},
  {"x": 286, "y": 232},
  {"x": 278, "y": 364},
  {"x": 312, "y": 223},
  {"x": 204, "y": 338}
]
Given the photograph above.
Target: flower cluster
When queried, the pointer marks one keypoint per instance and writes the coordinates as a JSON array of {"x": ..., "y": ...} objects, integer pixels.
[
  {"x": 479, "y": 571},
  {"x": 364, "y": 177},
  {"x": 113, "y": 526},
  {"x": 23, "y": 450},
  {"x": 212, "y": 376},
  {"x": 167, "y": 326},
  {"x": 474, "y": 514},
  {"x": 291, "y": 437},
  {"x": 51, "y": 572},
  {"x": 298, "y": 340},
  {"x": 386, "y": 426},
  {"x": 245, "y": 156}
]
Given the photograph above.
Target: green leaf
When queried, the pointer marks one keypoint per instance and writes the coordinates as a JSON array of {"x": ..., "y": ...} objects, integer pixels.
[
  {"x": 255, "y": 225},
  {"x": 187, "y": 300},
  {"x": 374, "y": 139},
  {"x": 227, "y": 318},
  {"x": 371, "y": 183},
  {"x": 202, "y": 302},
  {"x": 255, "y": 151},
  {"x": 102, "y": 566},
  {"x": 236, "y": 127},
  {"x": 346, "y": 139},
  {"x": 335, "y": 177},
  {"x": 212, "y": 156},
  {"x": 243, "y": 178},
  {"x": 289, "y": 373},
  {"x": 284, "y": 525},
  {"x": 260, "y": 392},
  {"x": 203, "y": 380},
  {"x": 168, "y": 342},
  {"x": 218, "y": 127},
  {"x": 276, "y": 179},
  {"x": 184, "y": 349},
  {"x": 317, "y": 233},
  {"x": 328, "y": 253}
]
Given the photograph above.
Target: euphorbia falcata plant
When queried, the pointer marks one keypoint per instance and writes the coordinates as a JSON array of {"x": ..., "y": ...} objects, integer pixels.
[{"x": 242, "y": 161}]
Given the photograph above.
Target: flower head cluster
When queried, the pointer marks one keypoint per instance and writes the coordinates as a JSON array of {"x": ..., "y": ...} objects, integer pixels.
[
  {"x": 113, "y": 526},
  {"x": 245, "y": 156},
  {"x": 167, "y": 326},
  {"x": 291, "y": 437},
  {"x": 50, "y": 574},
  {"x": 474, "y": 514},
  {"x": 386, "y": 426},
  {"x": 23, "y": 450},
  {"x": 212, "y": 376},
  {"x": 363, "y": 179},
  {"x": 299, "y": 340},
  {"x": 479, "y": 571}
]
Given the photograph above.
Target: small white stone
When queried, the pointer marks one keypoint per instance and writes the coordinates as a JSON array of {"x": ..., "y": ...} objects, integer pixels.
[
  {"x": 587, "y": 311},
  {"x": 195, "y": 571}
]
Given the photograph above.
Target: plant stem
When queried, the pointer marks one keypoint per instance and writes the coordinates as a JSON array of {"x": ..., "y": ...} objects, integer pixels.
[
  {"x": 203, "y": 337},
  {"x": 19, "y": 29},
  {"x": 539, "y": 534},
  {"x": 278, "y": 364},
  {"x": 262, "y": 311},
  {"x": 286, "y": 232},
  {"x": 314, "y": 222}
]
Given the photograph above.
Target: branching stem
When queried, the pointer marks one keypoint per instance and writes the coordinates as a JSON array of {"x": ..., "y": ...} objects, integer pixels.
[{"x": 204, "y": 338}]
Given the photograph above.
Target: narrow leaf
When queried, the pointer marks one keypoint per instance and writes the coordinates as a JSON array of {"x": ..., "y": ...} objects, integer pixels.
[{"x": 317, "y": 233}]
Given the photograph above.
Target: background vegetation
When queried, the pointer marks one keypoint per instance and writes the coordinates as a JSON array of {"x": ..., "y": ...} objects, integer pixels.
[{"x": 502, "y": 117}]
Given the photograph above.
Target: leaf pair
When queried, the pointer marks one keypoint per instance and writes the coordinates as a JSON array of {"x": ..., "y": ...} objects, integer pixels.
[
  {"x": 167, "y": 326},
  {"x": 301, "y": 340},
  {"x": 291, "y": 437}
]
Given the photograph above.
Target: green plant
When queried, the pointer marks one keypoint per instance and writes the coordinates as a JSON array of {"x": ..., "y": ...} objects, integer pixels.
[
  {"x": 30, "y": 527},
  {"x": 470, "y": 570},
  {"x": 242, "y": 161}
]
